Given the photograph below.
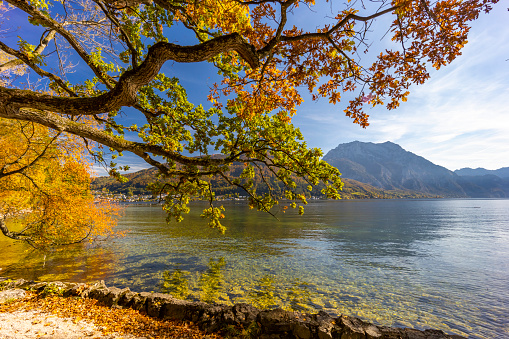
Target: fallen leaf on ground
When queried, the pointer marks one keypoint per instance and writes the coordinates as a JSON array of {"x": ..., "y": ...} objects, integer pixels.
[{"x": 108, "y": 320}]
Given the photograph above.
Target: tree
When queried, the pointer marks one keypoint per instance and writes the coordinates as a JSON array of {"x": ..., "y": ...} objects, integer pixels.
[
  {"x": 45, "y": 189},
  {"x": 264, "y": 61},
  {"x": 45, "y": 183}
]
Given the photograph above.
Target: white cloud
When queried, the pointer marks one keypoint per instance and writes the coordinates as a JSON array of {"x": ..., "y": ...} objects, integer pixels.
[{"x": 459, "y": 118}]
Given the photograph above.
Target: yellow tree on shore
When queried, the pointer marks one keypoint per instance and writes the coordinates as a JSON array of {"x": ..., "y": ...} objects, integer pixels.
[{"x": 45, "y": 197}]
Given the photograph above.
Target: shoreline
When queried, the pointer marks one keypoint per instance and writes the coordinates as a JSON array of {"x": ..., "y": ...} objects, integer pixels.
[{"x": 218, "y": 318}]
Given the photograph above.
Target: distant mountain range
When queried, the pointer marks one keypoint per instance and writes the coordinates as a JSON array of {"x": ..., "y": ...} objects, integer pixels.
[
  {"x": 369, "y": 170},
  {"x": 388, "y": 166},
  {"x": 138, "y": 181},
  {"x": 501, "y": 172}
]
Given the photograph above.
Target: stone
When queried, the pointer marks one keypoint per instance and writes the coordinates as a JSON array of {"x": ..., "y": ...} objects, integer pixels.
[
  {"x": 100, "y": 294},
  {"x": 391, "y": 332},
  {"x": 140, "y": 302},
  {"x": 107, "y": 296},
  {"x": 177, "y": 309},
  {"x": 351, "y": 328},
  {"x": 156, "y": 302},
  {"x": 39, "y": 287},
  {"x": 212, "y": 318},
  {"x": 137, "y": 302},
  {"x": 372, "y": 332},
  {"x": 272, "y": 336},
  {"x": 11, "y": 295},
  {"x": 276, "y": 320},
  {"x": 325, "y": 325},
  {"x": 269, "y": 324},
  {"x": 301, "y": 331},
  {"x": 125, "y": 298},
  {"x": 245, "y": 314},
  {"x": 72, "y": 290},
  {"x": 21, "y": 283}
]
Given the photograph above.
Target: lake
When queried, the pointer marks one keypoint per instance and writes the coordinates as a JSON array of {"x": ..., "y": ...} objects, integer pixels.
[{"x": 410, "y": 263}]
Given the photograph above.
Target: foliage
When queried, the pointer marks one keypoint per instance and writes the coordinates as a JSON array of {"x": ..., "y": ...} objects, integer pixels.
[
  {"x": 45, "y": 188},
  {"x": 264, "y": 64},
  {"x": 109, "y": 321},
  {"x": 138, "y": 181}
]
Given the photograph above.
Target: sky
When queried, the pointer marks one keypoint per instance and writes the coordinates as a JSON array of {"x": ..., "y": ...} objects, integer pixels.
[{"x": 458, "y": 118}]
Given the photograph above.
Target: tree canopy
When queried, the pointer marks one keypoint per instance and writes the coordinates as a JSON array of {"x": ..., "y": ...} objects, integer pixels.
[
  {"x": 107, "y": 61},
  {"x": 45, "y": 196}
]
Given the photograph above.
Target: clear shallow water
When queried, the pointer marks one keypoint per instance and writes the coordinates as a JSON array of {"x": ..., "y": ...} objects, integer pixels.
[{"x": 417, "y": 263}]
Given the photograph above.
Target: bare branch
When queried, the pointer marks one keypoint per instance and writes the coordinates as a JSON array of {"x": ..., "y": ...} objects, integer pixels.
[{"x": 38, "y": 50}]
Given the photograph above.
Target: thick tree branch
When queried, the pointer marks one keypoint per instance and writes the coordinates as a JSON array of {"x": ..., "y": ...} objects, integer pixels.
[
  {"x": 277, "y": 37},
  {"x": 62, "y": 124},
  {"x": 8, "y": 233},
  {"x": 125, "y": 92}
]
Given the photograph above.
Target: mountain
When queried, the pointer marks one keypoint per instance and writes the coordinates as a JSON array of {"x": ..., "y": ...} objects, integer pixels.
[
  {"x": 388, "y": 166},
  {"x": 136, "y": 184},
  {"x": 501, "y": 172},
  {"x": 485, "y": 186},
  {"x": 138, "y": 181},
  {"x": 369, "y": 170}
]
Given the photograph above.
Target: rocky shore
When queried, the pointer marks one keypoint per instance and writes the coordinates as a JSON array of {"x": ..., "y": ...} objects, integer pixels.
[{"x": 240, "y": 320}]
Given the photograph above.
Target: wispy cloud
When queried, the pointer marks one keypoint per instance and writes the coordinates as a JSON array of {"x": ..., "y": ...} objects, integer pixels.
[
  {"x": 134, "y": 162},
  {"x": 459, "y": 118}
]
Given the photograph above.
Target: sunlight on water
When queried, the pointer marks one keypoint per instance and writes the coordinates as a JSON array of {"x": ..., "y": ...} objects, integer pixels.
[{"x": 417, "y": 263}]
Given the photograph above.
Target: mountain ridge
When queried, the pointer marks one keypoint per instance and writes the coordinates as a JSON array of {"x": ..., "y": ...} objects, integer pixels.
[
  {"x": 388, "y": 166},
  {"x": 369, "y": 170},
  {"x": 467, "y": 171}
]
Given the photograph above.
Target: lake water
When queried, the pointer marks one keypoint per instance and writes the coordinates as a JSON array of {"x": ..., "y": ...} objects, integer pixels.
[{"x": 411, "y": 263}]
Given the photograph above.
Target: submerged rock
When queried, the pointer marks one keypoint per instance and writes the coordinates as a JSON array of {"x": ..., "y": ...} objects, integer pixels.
[{"x": 245, "y": 318}]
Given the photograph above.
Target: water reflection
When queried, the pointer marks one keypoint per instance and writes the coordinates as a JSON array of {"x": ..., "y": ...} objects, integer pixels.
[
  {"x": 268, "y": 292},
  {"x": 74, "y": 263},
  {"x": 299, "y": 296},
  {"x": 407, "y": 263},
  {"x": 212, "y": 281},
  {"x": 176, "y": 283},
  {"x": 262, "y": 293},
  {"x": 209, "y": 287}
]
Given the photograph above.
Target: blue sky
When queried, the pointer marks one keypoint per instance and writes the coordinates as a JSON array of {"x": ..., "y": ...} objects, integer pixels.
[{"x": 459, "y": 118}]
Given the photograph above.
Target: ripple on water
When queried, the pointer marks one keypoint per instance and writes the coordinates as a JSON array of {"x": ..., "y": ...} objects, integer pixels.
[{"x": 423, "y": 264}]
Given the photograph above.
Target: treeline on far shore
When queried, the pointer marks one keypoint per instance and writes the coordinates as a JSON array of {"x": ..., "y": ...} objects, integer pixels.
[{"x": 135, "y": 188}]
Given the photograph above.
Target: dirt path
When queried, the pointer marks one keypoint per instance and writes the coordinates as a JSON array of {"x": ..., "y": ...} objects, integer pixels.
[
  {"x": 35, "y": 324},
  {"x": 27, "y": 315}
]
